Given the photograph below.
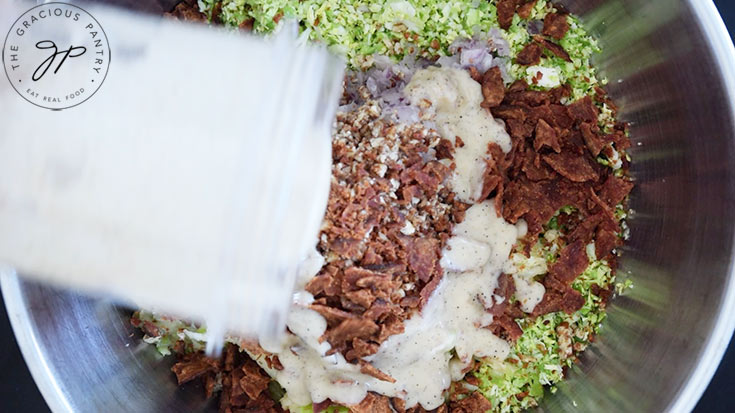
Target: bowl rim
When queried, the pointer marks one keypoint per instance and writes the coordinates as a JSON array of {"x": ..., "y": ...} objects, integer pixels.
[
  {"x": 25, "y": 335},
  {"x": 686, "y": 398}
]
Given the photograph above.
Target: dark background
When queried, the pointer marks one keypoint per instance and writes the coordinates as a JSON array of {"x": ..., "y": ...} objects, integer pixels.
[{"x": 18, "y": 392}]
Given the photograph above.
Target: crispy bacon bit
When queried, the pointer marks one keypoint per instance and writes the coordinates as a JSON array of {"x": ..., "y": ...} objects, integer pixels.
[
  {"x": 379, "y": 309},
  {"x": 559, "y": 114},
  {"x": 254, "y": 381},
  {"x": 372, "y": 403},
  {"x": 529, "y": 97},
  {"x": 494, "y": 180},
  {"x": 321, "y": 406},
  {"x": 572, "y": 261},
  {"x": 614, "y": 190},
  {"x": 247, "y": 25},
  {"x": 361, "y": 348},
  {"x": 493, "y": 89},
  {"x": 524, "y": 11},
  {"x": 474, "y": 403},
  {"x": 187, "y": 11},
  {"x": 620, "y": 139},
  {"x": 350, "y": 329},
  {"x": 550, "y": 303},
  {"x": 192, "y": 367},
  {"x": 546, "y": 136},
  {"x": 390, "y": 326},
  {"x": 568, "y": 300},
  {"x": 324, "y": 281},
  {"x": 334, "y": 316},
  {"x": 505, "y": 312},
  {"x": 594, "y": 142},
  {"x": 423, "y": 254},
  {"x": 571, "y": 166},
  {"x": 530, "y": 55},
  {"x": 398, "y": 404},
  {"x": 216, "y": 13},
  {"x": 583, "y": 110},
  {"x": 428, "y": 290},
  {"x": 506, "y": 112},
  {"x": 517, "y": 86},
  {"x": 559, "y": 294},
  {"x": 491, "y": 183},
  {"x": 554, "y": 48},
  {"x": 508, "y": 8},
  {"x": 363, "y": 298},
  {"x": 151, "y": 329},
  {"x": 474, "y": 74},
  {"x": 471, "y": 380},
  {"x": 445, "y": 149},
  {"x": 506, "y": 11},
  {"x": 244, "y": 389},
  {"x": 231, "y": 352},
  {"x": 555, "y": 25},
  {"x": 356, "y": 278},
  {"x": 347, "y": 247},
  {"x": 370, "y": 370},
  {"x": 606, "y": 240},
  {"x": 506, "y": 287},
  {"x": 243, "y": 382},
  {"x": 504, "y": 326},
  {"x": 210, "y": 382},
  {"x": 273, "y": 362},
  {"x": 585, "y": 230},
  {"x": 572, "y": 301}
]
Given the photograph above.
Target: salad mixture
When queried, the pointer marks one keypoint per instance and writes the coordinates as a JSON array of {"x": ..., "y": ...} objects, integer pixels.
[{"x": 477, "y": 206}]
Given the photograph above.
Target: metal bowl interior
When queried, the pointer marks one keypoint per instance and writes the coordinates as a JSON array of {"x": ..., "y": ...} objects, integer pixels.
[{"x": 671, "y": 69}]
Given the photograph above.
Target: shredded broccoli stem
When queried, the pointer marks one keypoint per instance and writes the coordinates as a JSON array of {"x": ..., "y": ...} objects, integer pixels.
[
  {"x": 537, "y": 359},
  {"x": 170, "y": 331},
  {"x": 550, "y": 342},
  {"x": 424, "y": 28}
]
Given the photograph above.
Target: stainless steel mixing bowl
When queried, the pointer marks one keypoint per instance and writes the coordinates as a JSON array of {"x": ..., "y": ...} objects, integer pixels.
[{"x": 671, "y": 68}]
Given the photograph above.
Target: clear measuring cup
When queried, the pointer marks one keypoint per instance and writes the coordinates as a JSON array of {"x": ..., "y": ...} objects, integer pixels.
[{"x": 192, "y": 183}]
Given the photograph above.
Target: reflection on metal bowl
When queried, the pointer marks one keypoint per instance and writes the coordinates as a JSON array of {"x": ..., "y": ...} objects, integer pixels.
[{"x": 671, "y": 68}]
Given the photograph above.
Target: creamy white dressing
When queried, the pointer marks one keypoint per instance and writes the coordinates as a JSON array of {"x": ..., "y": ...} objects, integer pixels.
[
  {"x": 455, "y": 99},
  {"x": 309, "y": 375},
  {"x": 308, "y": 269},
  {"x": 463, "y": 253},
  {"x": 481, "y": 229},
  {"x": 419, "y": 359},
  {"x": 528, "y": 292}
]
